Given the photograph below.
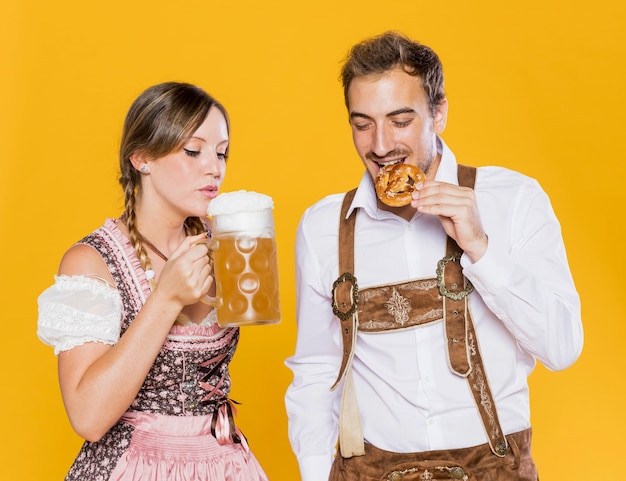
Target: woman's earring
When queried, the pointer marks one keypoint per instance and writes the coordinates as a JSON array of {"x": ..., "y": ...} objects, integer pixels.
[{"x": 144, "y": 169}]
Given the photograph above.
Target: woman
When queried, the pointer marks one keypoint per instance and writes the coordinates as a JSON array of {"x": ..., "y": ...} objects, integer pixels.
[{"x": 143, "y": 365}]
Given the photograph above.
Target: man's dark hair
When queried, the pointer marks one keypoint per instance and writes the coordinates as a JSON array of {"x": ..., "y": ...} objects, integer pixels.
[{"x": 380, "y": 54}]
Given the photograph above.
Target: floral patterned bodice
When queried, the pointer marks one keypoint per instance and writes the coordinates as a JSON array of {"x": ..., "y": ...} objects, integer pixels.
[{"x": 190, "y": 375}]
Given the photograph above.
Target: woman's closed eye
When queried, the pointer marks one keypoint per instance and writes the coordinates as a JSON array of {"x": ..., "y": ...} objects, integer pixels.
[{"x": 191, "y": 153}]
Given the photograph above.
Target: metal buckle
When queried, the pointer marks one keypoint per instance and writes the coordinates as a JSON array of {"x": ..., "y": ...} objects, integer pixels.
[
  {"x": 455, "y": 296},
  {"x": 345, "y": 277}
]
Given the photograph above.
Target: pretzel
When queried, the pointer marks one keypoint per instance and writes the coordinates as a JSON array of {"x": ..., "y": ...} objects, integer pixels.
[{"x": 396, "y": 182}]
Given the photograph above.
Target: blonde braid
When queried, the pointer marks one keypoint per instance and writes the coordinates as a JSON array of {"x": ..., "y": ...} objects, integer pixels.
[{"x": 131, "y": 224}]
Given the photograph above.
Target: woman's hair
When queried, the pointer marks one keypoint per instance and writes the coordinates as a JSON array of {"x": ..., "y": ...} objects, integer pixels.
[
  {"x": 380, "y": 54},
  {"x": 159, "y": 122}
]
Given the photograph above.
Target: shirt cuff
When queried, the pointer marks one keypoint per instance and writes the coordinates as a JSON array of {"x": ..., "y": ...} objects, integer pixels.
[{"x": 315, "y": 468}]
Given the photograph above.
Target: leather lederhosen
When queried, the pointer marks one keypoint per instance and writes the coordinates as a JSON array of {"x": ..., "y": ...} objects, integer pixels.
[
  {"x": 475, "y": 463},
  {"x": 443, "y": 298}
]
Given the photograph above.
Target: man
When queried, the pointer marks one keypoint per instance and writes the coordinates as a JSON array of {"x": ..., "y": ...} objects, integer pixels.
[{"x": 419, "y": 325}]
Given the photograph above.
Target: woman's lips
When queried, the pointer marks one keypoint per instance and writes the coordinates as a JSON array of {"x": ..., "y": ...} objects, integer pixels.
[{"x": 209, "y": 192}]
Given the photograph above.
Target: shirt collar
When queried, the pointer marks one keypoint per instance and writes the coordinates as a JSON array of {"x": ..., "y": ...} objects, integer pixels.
[{"x": 365, "y": 197}]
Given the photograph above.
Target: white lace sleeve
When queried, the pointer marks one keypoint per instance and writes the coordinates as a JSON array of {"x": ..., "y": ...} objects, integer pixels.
[{"x": 76, "y": 310}]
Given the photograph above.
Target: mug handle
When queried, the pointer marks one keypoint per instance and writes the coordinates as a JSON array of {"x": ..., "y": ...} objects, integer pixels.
[
  {"x": 212, "y": 301},
  {"x": 212, "y": 244}
]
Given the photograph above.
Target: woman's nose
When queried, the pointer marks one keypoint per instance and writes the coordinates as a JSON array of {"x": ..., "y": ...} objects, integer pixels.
[{"x": 212, "y": 164}]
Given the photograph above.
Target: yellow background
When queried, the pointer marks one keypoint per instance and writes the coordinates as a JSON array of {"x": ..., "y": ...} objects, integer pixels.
[{"x": 536, "y": 86}]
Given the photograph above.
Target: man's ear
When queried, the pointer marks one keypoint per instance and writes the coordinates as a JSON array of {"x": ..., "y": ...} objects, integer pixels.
[{"x": 441, "y": 116}]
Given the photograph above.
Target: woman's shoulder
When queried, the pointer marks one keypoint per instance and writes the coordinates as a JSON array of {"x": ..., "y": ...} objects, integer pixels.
[{"x": 83, "y": 258}]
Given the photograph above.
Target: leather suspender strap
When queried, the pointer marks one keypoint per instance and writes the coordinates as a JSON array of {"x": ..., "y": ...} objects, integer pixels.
[
  {"x": 346, "y": 235},
  {"x": 345, "y": 288},
  {"x": 454, "y": 289},
  {"x": 345, "y": 299},
  {"x": 466, "y": 175},
  {"x": 462, "y": 344}
]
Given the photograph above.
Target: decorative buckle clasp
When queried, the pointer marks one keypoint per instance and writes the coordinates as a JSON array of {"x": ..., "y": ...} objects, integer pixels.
[
  {"x": 354, "y": 294},
  {"x": 455, "y": 296}
]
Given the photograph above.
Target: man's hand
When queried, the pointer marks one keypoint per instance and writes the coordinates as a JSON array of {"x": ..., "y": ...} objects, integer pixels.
[{"x": 457, "y": 210}]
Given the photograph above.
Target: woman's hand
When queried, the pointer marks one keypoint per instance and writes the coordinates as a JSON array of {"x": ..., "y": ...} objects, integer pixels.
[{"x": 187, "y": 275}]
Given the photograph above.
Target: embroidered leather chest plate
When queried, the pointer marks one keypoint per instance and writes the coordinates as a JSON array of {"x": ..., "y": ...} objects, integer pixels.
[{"x": 399, "y": 306}]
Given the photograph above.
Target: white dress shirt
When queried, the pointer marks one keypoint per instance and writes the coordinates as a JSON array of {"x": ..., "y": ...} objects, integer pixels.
[{"x": 525, "y": 307}]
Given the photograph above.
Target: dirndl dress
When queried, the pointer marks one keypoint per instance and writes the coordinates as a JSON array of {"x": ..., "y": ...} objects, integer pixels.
[{"x": 180, "y": 427}]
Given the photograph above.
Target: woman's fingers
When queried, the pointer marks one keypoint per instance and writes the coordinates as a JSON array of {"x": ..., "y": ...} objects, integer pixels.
[{"x": 187, "y": 274}]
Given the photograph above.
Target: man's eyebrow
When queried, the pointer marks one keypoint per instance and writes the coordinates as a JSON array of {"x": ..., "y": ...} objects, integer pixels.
[
  {"x": 404, "y": 110},
  {"x": 354, "y": 115}
]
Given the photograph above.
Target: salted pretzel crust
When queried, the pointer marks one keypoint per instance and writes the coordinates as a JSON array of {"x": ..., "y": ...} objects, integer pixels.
[{"x": 395, "y": 183}]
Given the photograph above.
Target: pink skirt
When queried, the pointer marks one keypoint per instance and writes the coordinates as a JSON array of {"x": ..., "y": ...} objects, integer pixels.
[{"x": 181, "y": 448}]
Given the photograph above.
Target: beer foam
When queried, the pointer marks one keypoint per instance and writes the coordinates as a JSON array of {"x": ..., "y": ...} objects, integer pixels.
[
  {"x": 239, "y": 201},
  {"x": 242, "y": 212}
]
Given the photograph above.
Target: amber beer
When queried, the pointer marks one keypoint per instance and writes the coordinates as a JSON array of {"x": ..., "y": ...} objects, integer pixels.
[
  {"x": 247, "y": 272},
  {"x": 245, "y": 264}
]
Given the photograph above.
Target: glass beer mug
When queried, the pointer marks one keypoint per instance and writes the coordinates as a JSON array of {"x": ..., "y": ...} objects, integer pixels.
[{"x": 245, "y": 263}]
